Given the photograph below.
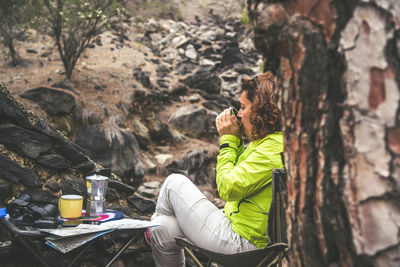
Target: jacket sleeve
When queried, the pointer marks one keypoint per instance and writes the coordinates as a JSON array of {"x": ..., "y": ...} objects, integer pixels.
[{"x": 237, "y": 181}]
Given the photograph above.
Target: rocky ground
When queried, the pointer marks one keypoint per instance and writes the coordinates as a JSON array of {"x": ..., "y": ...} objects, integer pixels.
[
  {"x": 161, "y": 80},
  {"x": 143, "y": 98}
]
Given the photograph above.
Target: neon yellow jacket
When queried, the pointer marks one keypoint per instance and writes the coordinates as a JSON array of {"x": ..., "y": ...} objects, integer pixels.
[{"x": 244, "y": 182}]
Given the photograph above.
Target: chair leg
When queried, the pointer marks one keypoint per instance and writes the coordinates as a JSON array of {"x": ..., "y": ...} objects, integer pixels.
[
  {"x": 266, "y": 258},
  {"x": 286, "y": 256},
  {"x": 193, "y": 257}
]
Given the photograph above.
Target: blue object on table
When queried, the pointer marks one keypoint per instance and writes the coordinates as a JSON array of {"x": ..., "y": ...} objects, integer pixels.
[
  {"x": 110, "y": 215},
  {"x": 113, "y": 215},
  {"x": 3, "y": 213}
]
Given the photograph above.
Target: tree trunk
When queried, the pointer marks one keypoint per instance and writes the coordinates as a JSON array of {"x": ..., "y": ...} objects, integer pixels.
[
  {"x": 338, "y": 67},
  {"x": 11, "y": 49},
  {"x": 68, "y": 70}
]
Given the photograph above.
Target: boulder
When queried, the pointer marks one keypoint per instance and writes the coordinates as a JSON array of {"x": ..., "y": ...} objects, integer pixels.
[
  {"x": 140, "y": 171},
  {"x": 51, "y": 100},
  {"x": 150, "y": 189},
  {"x": 53, "y": 185},
  {"x": 113, "y": 148},
  {"x": 63, "y": 146},
  {"x": 141, "y": 203},
  {"x": 121, "y": 187},
  {"x": 29, "y": 143},
  {"x": 41, "y": 196},
  {"x": 195, "y": 98},
  {"x": 215, "y": 105},
  {"x": 190, "y": 52},
  {"x": 204, "y": 79},
  {"x": 151, "y": 167},
  {"x": 179, "y": 89},
  {"x": 191, "y": 120},
  {"x": 178, "y": 137},
  {"x": 197, "y": 165},
  {"x": 141, "y": 132},
  {"x": 185, "y": 67},
  {"x": 11, "y": 111},
  {"x": 164, "y": 158},
  {"x": 34, "y": 138},
  {"x": 15, "y": 173},
  {"x": 71, "y": 184},
  {"x": 212, "y": 128},
  {"x": 231, "y": 56},
  {"x": 54, "y": 161},
  {"x": 159, "y": 131}
]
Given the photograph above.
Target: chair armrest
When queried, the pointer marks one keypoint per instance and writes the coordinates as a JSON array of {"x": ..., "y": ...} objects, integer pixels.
[
  {"x": 277, "y": 246},
  {"x": 183, "y": 242}
]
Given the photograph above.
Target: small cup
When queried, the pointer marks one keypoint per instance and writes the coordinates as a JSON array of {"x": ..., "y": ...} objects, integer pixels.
[
  {"x": 70, "y": 206},
  {"x": 234, "y": 111}
]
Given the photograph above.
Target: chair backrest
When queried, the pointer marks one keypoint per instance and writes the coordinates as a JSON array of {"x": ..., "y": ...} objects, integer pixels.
[{"x": 276, "y": 216}]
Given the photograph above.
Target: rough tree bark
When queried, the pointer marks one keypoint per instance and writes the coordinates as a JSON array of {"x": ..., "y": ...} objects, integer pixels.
[{"x": 338, "y": 65}]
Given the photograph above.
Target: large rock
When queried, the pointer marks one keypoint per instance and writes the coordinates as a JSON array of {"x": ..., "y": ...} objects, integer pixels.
[
  {"x": 29, "y": 143},
  {"x": 204, "y": 79},
  {"x": 23, "y": 136},
  {"x": 215, "y": 105},
  {"x": 32, "y": 137},
  {"x": 70, "y": 184},
  {"x": 141, "y": 203},
  {"x": 41, "y": 196},
  {"x": 39, "y": 146},
  {"x": 54, "y": 161},
  {"x": 197, "y": 165},
  {"x": 150, "y": 189},
  {"x": 15, "y": 173},
  {"x": 63, "y": 146},
  {"x": 141, "y": 132},
  {"x": 112, "y": 148},
  {"x": 51, "y": 100},
  {"x": 11, "y": 111},
  {"x": 231, "y": 56},
  {"x": 159, "y": 131},
  {"x": 191, "y": 120}
]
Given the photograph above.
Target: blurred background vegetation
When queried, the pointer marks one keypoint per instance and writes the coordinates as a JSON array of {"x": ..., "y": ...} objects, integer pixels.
[{"x": 73, "y": 24}]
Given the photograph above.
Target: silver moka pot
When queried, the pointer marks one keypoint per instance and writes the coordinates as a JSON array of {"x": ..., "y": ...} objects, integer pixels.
[{"x": 96, "y": 188}]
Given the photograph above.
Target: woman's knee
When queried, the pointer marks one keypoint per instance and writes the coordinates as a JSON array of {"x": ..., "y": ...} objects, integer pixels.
[
  {"x": 175, "y": 179},
  {"x": 170, "y": 223}
]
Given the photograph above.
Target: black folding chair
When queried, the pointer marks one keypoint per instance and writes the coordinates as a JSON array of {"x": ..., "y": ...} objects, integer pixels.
[{"x": 270, "y": 254}]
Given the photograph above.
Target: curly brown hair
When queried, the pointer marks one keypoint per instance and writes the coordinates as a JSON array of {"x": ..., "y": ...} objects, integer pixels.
[{"x": 265, "y": 115}]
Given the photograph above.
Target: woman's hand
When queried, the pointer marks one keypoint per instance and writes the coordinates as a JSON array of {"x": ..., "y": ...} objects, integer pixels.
[{"x": 227, "y": 123}]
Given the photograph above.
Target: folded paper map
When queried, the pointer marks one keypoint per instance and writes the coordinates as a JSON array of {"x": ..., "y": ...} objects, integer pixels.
[{"x": 65, "y": 239}]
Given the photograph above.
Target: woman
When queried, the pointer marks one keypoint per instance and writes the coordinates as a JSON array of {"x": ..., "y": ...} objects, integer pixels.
[{"x": 243, "y": 181}]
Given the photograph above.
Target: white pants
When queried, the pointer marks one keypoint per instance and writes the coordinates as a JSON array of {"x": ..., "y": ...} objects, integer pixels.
[{"x": 182, "y": 210}]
